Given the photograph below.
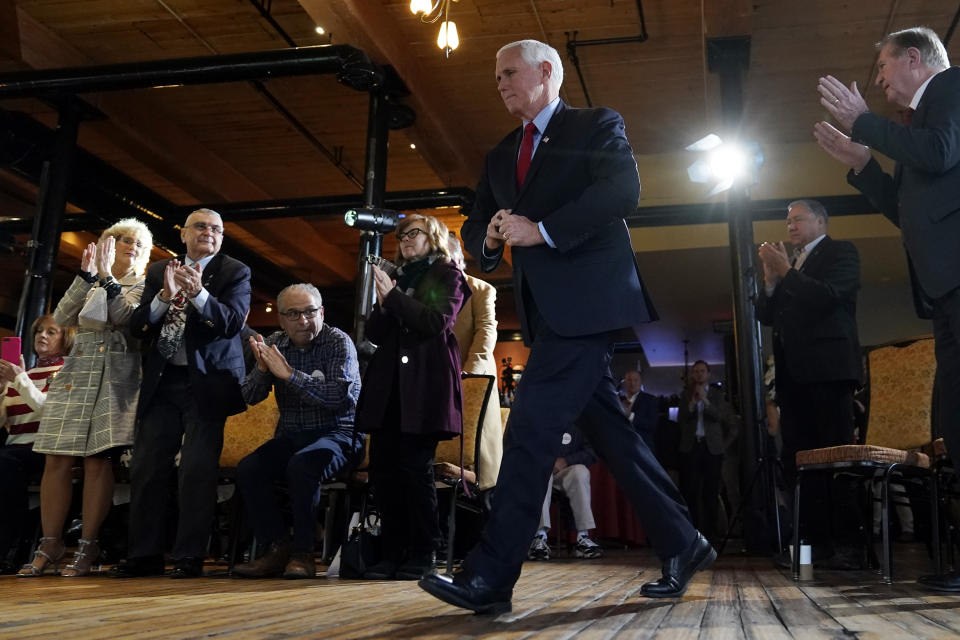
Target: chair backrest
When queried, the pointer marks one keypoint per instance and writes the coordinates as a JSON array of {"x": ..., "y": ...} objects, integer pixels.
[
  {"x": 901, "y": 394},
  {"x": 476, "y": 392},
  {"x": 246, "y": 431}
]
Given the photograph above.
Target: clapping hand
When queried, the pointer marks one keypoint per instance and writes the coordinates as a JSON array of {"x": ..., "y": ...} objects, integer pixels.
[
  {"x": 382, "y": 283},
  {"x": 170, "y": 286},
  {"x": 840, "y": 146},
  {"x": 844, "y": 104},
  {"x": 187, "y": 278},
  {"x": 88, "y": 261},
  {"x": 270, "y": 359},
  {"x": 776, "y": 263},
  {"x": 106, "y": 254}
]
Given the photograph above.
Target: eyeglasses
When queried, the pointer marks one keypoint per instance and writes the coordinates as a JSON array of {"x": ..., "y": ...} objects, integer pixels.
[
  {"x": 413, "y": 233},
  {"x": 215, "y": 229},
  {"x": 294, "y": 314},
  {"x": 130, "y": 241}
]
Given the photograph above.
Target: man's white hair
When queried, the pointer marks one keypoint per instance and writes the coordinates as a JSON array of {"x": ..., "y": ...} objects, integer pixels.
[
  {"x": 304, "y": 287},
  {"x": 534, "y": 52}
]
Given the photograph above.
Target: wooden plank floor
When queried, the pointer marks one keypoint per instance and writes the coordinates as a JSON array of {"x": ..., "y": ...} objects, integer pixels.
[{"x": 739, "y": 598}]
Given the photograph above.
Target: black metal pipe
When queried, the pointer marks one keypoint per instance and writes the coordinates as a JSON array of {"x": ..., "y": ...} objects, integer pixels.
[
  {"x": 729, "y": 58},
  {"x": 375, "y": 184},
  {"x": 45, "y": 241},
  {"x": 107, "y": 195},
  {"x": 351, "y": 65}
]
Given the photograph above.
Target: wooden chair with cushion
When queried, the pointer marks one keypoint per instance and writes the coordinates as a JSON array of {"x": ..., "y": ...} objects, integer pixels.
[
  {"x": 243, "y": 433},
  {"x": 901, "y": 389},
  {"x": 465, "y": 452}
]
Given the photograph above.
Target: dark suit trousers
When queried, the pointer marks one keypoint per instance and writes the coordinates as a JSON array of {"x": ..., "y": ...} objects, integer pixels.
[
  {"x": 812, "y": 416},
  {"x": 302, "y": 469},
  {"x": 566, "y": 379},
  {"x": 18, "y": 466},
  {"x": 173, "y": 415},
  {"x": 946, "y": 334},
  {"x": 700, "y": 486}
]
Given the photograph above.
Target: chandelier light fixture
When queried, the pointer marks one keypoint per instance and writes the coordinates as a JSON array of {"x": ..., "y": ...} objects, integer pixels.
[{"x": 430, "y": 13}]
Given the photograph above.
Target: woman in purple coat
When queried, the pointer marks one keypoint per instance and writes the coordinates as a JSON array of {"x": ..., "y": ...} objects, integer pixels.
[{"x": 411, "y": 392}]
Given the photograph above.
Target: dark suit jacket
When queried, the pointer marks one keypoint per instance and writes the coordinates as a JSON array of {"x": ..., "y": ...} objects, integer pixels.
[
  {"x": 719, "y": 426},
  {"x": 578, "y": 450},
  {"x": 923, "y": 195},
  {"x": 211, "y": 338},
  {"x": 644, "y": 415},
  {"x": 418, "y": 354},
  {"x": 582, "y": 183},
  {"x": 813, "y": 313}
]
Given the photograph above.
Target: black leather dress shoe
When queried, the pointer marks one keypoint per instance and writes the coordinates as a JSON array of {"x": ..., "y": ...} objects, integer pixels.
[
  {"x": 138, "y": 567},
  {"x": 467, "y": 591},
  {"x": 946, "y": 582},
  {"x": 188, "y": 567},
  {"x": 383, "y": 570},
  {"x": 678, "y": 570}
]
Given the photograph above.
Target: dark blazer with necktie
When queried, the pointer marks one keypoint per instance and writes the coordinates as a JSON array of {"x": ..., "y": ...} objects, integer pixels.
[
  {"x": 923, "y": 196},
  {"x": 813, "y": 312},
  {"x": 211, "y": 338},
  {"x": 581, "y": 183}
]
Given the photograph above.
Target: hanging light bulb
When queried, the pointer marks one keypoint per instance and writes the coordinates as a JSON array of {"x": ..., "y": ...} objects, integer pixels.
[
  {"x": 448, "y": 38},
  {"x": 419, "y": 6}
]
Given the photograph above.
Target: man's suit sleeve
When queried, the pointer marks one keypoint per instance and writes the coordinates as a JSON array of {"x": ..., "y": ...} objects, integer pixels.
[
  {"x": 474, "y": 228},
  {"x": 838, "y": 283},
  {"x": 140, "y": 325},
  {"x": 879, "y": 188},
  {"x": 224, "y": 313},
  {"x": 933, "y": 147},
  {"x": 765, "y": 308},
  {"x": 613, "y": 191}
]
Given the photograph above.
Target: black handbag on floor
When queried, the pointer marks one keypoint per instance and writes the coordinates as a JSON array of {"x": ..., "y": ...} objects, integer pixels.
[{"x": 362, "y": 548}]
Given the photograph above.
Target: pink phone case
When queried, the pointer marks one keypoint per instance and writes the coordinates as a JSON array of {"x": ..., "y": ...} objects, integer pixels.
[{"x": 10, "y": 349}]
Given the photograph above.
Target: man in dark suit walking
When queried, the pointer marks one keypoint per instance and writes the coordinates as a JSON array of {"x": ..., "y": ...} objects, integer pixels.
[
  {"x": 922, "y": 197},
  {"x": 810, "y": 300},
  {"x": 193, "y": 309},
  {"x": 556, "y": 191}
]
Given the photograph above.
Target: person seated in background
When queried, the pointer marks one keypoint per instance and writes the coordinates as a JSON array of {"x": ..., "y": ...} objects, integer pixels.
[
  {"x": 91, "y": 406},
  {"x": 22, "y": 395},
  {"x": 571, "y": 476},
  {"x": 476, "y": 331},
  {"x": 641, "y": 408},
  {"x": 314, "y": 370},
  {"x": 707, "y": 427}
]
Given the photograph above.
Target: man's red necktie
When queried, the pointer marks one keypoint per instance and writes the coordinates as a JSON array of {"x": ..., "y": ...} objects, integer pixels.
[
  {"x": 526, "y": 152},
  {"x": 906, "y": 116}
]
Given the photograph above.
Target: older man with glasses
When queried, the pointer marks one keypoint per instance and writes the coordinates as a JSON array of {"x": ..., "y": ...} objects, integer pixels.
[
  {"x": 314, "y": 371},
  {"x": 193, "y": 307}
]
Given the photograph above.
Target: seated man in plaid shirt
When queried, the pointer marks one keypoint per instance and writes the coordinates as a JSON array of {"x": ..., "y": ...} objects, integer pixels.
[{"x": 314, "y": 371}]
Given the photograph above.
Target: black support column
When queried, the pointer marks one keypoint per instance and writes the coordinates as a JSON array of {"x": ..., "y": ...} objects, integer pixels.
[
  {"x": 48, "y": 224},
  {"x": 729, "y": 57},
  {"x": 374, "y": 187}
]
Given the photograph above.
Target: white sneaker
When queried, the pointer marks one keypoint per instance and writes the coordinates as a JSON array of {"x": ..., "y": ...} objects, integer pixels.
[{"x": 587, "y": 548}]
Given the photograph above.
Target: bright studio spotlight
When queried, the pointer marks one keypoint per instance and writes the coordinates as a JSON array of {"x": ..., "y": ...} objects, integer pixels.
[
  {"x": 723, "y": 164},
  {"x": 372, "y": 219}
]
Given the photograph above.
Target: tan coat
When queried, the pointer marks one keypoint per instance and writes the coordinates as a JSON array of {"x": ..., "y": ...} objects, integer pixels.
[
  {"x": 92, "y": 403},
  {"x": 476, "y": 331}
]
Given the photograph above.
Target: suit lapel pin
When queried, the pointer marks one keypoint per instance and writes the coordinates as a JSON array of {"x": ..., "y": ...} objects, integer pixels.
[{"x": 545, "y": 139}]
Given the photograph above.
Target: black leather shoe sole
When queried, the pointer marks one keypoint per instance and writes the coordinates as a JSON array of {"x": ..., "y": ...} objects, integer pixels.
[
  {"x": 442, "y": 592},
  {"x": 187, "y": 569}
]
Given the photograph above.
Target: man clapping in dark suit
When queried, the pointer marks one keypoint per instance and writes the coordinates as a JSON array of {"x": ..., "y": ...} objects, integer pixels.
[
  {"x": 810, "y": 300},
  {"x": 556, "y": 190},
  {"x": 193, "y": 309},
  {"x": 641, "y": 408},
  {"x": 922, "y": 197}
]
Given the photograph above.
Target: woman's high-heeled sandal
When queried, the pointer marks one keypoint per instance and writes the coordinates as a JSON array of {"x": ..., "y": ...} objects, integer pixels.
[
  {"x": 48, "y": 555},
  {"x": 88, "y": 552}
]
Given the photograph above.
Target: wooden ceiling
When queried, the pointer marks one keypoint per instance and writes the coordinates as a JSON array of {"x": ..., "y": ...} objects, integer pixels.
[{"x": 227, "y": 143}]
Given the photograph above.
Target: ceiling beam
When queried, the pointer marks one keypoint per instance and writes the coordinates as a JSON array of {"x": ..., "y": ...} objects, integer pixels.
[
  {"x": 136, "y": 125},
  {"x": 368, "y": 25}
]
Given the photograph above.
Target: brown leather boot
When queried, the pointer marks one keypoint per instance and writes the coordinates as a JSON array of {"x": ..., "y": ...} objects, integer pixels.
[
  {"x": 270, "y": 565},
  {"x": 301, "y": 565}
]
